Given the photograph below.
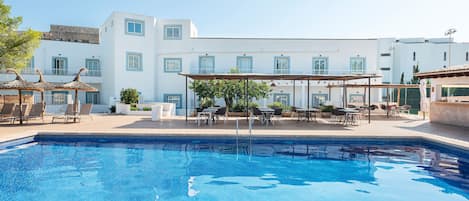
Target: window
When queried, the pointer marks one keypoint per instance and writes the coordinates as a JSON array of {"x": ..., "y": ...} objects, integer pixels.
[
  {"x": 356, "y": 98},
  {"x": 282, "y": 65},
  {"x": 174, "y": 98},
  {"x": 385, "y": 69},
  {"x": 413, "y": 56},
  {"x": 59, "y": 97},
  {"x": 173, "y": 32},
  {"x": 318, "y": 99},
  {"x": 282, "y": 98},
  {"x": 172, "y": 65},
  {"x": 206, "y": 64},
  {"x": 320, "y": 65},
  {"x": 467, "y": 56},
  {"x": 59, "y": 65},
  {"x": 357, "y": 64},
  {"x": 29, "y": 68},
  {"x": 385, "y": 54},
  {"x": 93, "y": 66},
  {"x": 92, "y": 98},
  {"x": 134, "y": 27},
  {"x": 444, "y": 56},
  {"x": 244, "y": 64},
  {"x": 134, "y": 62}
]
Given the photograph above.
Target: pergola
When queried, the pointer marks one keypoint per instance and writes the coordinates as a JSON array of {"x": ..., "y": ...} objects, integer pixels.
[
  {"x": 380, "y": 86},
  {"x": 293, "y": 77}
]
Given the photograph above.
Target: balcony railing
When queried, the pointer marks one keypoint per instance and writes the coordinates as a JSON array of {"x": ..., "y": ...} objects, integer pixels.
[{"x": 95, "y": 73}]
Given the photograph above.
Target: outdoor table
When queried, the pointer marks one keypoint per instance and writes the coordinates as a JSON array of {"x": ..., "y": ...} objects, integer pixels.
[
  {"x": 209, "y": 113},
  {"x": 308, "y": 112},
  {"x": 267, "y": 114},
  {"x": 351, "y": 115}
]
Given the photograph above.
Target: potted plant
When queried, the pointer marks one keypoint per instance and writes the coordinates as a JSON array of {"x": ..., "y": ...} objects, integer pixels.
[
  {"x": 129, "y": 99},
  {"x": 326, "y": 111}
]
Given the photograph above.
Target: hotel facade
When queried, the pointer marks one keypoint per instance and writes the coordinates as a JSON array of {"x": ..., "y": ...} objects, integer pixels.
[{"x": 148, "y": 53}]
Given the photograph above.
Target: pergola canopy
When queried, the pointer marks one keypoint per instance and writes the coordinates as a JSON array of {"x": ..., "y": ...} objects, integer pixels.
[
  {"x": 455, "y": 71},
  {"x": 381, "y": 86},
  {"x": 256, "y": 76}
]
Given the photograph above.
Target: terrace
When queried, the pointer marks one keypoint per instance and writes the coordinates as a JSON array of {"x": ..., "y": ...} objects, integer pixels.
[{"x": 408, "y": 127}]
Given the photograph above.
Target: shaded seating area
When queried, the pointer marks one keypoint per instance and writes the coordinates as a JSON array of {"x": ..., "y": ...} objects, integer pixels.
[{"x": 267, "y": 116}]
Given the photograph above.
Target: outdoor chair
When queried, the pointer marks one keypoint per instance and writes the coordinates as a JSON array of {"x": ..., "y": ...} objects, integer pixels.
[
  {"x": 404, "y": 109},
  {"x": 36, "y": 111},
  {"x": 221, "y": 112},
  {"x": 67, "y": 114},
  {"x": 277, "y": 114},
  {"x": 16, "y": 113},
  {"x": 85, "y": 110},
  {"x": 257, "y": 113},
  {"x": 338, "y": 115},
  {"x": 7, "y": 110}
]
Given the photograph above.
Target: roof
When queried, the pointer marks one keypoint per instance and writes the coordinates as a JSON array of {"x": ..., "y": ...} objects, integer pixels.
[
  {"x": 255, "y": 76},
  {"x": 454, "y": 71},
  {"x": 381, "y": 86}
]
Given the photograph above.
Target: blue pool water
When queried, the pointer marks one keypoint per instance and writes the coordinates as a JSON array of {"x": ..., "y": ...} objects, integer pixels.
[{"x": 53, "y": 168}]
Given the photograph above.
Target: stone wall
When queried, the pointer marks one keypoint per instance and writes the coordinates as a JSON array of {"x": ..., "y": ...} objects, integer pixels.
[{"x": 72, "y": 34}]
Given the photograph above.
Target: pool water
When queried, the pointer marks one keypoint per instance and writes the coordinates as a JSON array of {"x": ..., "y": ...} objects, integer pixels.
[{"x": 99, "y": 169}]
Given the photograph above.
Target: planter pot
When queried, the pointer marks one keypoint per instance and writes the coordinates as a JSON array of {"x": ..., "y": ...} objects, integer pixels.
[
  {"x": 286, "y": 114},
  {"x": 122, "y": 108},
  {"x": 236, "y": 114},
  {"x": 326, "y": 114}
]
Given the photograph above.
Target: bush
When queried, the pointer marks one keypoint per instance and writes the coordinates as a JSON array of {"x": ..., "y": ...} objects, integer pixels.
[
  {"x": 129, "y": 96},
  {"x": 133, "y": 107},
  {"x": 241, "y": 107},
  {"x": 279, "y": 105},
  {"x": 112, "y": 109},
  {"x": 146, "y": 108},
  {"x": 326, "y": 108}
]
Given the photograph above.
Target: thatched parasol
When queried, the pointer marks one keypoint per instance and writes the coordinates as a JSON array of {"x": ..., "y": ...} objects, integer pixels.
[
  {"x": 77, "y": 85},
  {"x": 43, "y": 84},
  {"x": 19, "y": 84}
]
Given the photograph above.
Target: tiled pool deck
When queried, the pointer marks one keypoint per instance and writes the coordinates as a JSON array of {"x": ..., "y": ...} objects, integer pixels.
[{"x": 142, "y": 125}]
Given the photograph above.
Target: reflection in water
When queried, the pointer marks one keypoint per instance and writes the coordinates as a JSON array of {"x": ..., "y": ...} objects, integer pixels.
[{"x": 212, "y": 171}]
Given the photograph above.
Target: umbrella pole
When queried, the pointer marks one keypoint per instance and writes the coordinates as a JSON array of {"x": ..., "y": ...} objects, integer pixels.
[
  {"x": 20, "y": 108},
  {"x": 75, "y": 108},
  {"x": 43, "y": 105}
]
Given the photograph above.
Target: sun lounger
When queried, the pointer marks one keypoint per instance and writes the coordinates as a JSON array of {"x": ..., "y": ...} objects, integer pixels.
[
  {"x": 36, "y": 112},
  {"x": 67, "y": 115},
  {"x": 7, "y": 110},
  {"x": 16, "y": 113},
  {"x": 85, "y": 110}
]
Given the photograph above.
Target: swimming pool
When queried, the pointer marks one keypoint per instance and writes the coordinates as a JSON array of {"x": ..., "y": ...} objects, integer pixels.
[{"x": 169, "y": 168}]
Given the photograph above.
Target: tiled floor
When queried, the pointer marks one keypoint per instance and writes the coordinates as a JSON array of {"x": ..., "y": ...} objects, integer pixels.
[{"x": 142, "y": 125}]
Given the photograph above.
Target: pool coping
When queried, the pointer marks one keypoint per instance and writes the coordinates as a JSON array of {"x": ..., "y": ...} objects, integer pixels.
[{"x": 30, "y": 136}]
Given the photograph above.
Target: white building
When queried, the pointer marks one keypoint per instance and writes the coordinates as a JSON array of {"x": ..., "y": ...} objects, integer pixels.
[{"x": 147, "y": 53}]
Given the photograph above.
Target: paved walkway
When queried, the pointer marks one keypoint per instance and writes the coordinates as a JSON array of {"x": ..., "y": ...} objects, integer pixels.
[{"x": 141, "y": 125}]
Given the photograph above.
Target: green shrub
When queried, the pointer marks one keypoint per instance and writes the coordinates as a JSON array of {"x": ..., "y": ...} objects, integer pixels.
[
  {"x": 326, "y": 108},
  {"x": 146, "y": 108},
  {"x": 112, "y": 109},
  {"x": 133, "y": 107},
  {"x": 279, "y": 105},
  {"x": 129, "y": 96},
  {"x": 241, "y": 107}
]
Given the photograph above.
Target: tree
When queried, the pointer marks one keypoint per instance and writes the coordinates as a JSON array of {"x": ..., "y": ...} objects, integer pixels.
[
  {"x": 415, "y": 69},
  {"x": 129, "y": 96},
  {"x": 16, "y": 48},
  {"x": 402, "y": 78},
  {"x": 205, "y": 91}
]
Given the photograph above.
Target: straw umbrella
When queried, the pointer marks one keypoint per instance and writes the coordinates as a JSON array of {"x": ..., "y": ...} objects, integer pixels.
[
  {"x": 43, "y": 84},
  {"x": 76, "y": 85},
  {"x": 19, "y": 84}
]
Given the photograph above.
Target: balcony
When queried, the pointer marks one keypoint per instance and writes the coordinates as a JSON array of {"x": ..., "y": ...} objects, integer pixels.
[{"x": 92, "y": 73}]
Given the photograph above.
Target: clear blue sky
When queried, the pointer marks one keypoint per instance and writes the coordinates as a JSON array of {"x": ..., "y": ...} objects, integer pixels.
[{"x": 267, "y": 18}]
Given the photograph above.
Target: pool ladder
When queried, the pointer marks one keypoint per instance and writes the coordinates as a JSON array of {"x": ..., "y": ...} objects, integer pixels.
[{"x": 250, "y": 137}]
